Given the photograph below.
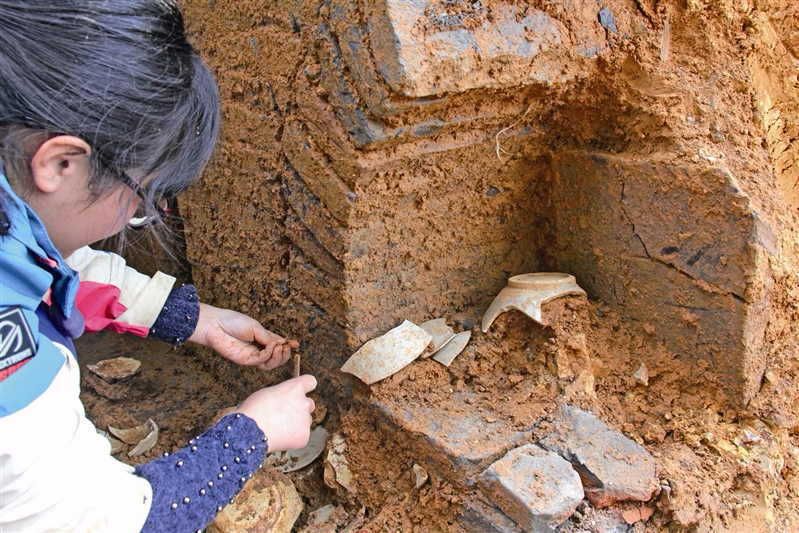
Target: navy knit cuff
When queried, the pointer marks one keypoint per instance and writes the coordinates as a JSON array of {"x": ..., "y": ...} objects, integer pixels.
[
  {"x": 193, "y": 484},
  {"x": 178, "y": 319}
]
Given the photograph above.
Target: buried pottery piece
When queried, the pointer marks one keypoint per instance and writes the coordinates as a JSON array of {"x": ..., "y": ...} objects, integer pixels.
[
  {"x": 132, "y": 435},
  {"x": 116, "y": 444},
  {"x": 337, "y": 470},
  {"x": 381, "y": 357},
  {"x": 144, "y": 436},
  {"x": 454, "y": 347},
  {"x": 117, "y": 369},
  {"x": 420, "y": 475},
  {"x": 526, "y": 293},
  {"x": 267, "y": 503},
  {"x": 441, "y": 333},
  {"x": 147, "y": 442},
  {"x": 296, "y": 459}
]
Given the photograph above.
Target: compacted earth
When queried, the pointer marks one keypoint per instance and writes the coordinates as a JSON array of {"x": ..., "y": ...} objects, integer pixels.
[
  {"x": 338, "y": 205},
  {"x": 718, "y": 469}
]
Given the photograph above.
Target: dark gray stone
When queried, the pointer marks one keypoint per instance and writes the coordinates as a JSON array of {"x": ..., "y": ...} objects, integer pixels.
[
  {"x": 612, "y": 467},
  {"x": 607, "y": 19},
  {"x": 478, "y": 516},
  {"x": 538, "y": 489},
  {"x": 460, "y": 440}
]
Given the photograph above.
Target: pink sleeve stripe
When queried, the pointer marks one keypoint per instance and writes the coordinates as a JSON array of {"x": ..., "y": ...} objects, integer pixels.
[
  {"x": 99, "y": 304},
  {"x": 122, "y": 327}
]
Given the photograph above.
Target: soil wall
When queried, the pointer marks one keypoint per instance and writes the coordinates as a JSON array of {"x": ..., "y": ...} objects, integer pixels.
[{"x": 355, "y": 186}]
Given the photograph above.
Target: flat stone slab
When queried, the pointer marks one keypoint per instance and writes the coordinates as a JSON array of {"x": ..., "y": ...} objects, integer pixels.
[
  {"x": 479, "y": 515},
  {"x": 422, "y": 49},
  {"x": 538, "y": 489},
  {"x": 460, "y": 440},
  {"x": 611, "y": 466}
]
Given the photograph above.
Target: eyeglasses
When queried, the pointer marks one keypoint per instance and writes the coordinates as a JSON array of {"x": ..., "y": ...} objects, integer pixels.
[{"x": 141, "y": 219}]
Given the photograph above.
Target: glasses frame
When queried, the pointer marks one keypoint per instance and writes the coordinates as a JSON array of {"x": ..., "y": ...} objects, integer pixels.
[{"x": 162, "y": 215}]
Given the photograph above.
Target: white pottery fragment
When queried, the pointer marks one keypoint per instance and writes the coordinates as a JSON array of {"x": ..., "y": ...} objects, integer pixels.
[
  {"x": 420, "y": 475},
  {"x": 147, "y": 442},
  {"x": 441, "y": 333},
  {"x": 337, "y": 459},
  {"x": 116, "y": 444},
  {"x": 117, "y": 369},
  {"x": 454, "y": 347},
  {"x": 526, "y": 293},
  {"x": 642, "y": 375},
  {"x": 296, "y": 459},
  {"x": 132, "y": 435},
  {"x": 386, "y": 355},
  {"x": 268, "y": 503}
]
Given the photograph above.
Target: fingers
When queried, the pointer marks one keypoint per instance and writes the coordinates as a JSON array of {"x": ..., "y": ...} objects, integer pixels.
[
  {"x": 263, "y": 335},
  {"x": 307, "y": 382},
  {"x": 273, "y": 357}
]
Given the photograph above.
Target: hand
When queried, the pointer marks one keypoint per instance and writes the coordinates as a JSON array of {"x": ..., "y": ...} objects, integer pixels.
[
  {"x": 283, "y": 412},
  {"x": 241, "y": 339}
]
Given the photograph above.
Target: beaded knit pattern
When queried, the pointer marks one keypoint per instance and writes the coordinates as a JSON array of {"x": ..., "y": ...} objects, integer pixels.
[
  {"x": 193, "y": 484},
  {"x": 178, "y": 319}
]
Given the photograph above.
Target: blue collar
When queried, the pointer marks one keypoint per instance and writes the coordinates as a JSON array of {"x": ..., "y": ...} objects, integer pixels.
[{"x": 28, "y": 229}]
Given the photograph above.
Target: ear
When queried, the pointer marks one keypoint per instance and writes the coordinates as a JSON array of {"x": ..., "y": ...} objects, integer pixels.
[{"x": 60, "y": 160}]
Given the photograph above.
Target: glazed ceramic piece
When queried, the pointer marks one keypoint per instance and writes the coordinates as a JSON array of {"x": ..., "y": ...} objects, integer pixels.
[
  {"x": 268, "y": 503},
  {"x": 132, "y": 435},
  {"x": 527, "y": 292},
  {"x": 441, "y": 333},
  {"x": 420, "y": 475},
  {"x": 381, "y": 357},
  {"x": 147, "y": 442},
  {"x": 337, "y": 459},
  {"x": 454, "y": 347},
  {"x": 296, "y": 459},
  {"x": 113, "y": 370}
]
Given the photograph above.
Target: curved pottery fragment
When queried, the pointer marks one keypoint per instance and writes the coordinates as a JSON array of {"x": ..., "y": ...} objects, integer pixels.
[
  {"x": 296, "y": 459},
  {"x": 268, "y": 503},
  {"x": 381, "y": 357},
  {"x": 441, "y": 333},
  {"x": 526, "y": 293},
  {"x": 117, "y": 369},
  {"x": 147, "y": 442},
  {"x": 453, "y": 348},
  {"x": 133, "y": 435}
]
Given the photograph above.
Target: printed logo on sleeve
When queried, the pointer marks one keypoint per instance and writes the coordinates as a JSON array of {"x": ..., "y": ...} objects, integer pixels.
[{"x": 16, "y": 340}]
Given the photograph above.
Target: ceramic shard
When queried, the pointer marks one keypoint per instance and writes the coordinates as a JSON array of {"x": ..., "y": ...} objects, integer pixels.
[
  {"x": 441, "y": 333},
  {"x": 296, "y": 459},
  {"x": 526, "y": 293},
  {"x": 454, "y": 347},
  {"x": 381, "y": 357},
  {"x": 113, "y": 370},
  {"x": 268, "y": 503}
]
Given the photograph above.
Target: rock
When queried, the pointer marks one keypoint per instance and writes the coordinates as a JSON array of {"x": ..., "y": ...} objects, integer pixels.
[
  {"x": 612, "y": 467},
  {"x": 631, "y": 516},
  {"x": 479, "y": 516},
  {"x": 536, "y": 488},
  {"x": 457, "y": 447},
  {"x": 642, "y": 375},
  {"x": 607, "y": 19}
]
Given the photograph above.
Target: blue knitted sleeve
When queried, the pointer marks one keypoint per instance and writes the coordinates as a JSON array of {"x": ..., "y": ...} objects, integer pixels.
[
  {"x": 178, "y": 318},
  {"x": 192, "y": 485}
]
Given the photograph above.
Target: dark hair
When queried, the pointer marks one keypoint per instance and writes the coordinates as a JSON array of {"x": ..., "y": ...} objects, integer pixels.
[{"x": 120, "y": 75}]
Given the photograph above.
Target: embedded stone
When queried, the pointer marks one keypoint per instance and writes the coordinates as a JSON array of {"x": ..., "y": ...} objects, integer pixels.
[
  {"x": 612, "y": 467},
  {"x": 455, "y": 438},
  {"x": 538, "y": 489}
]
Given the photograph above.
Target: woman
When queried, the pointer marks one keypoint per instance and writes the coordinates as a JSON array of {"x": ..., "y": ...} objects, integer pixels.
[{"x": 105, "y": 110}]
